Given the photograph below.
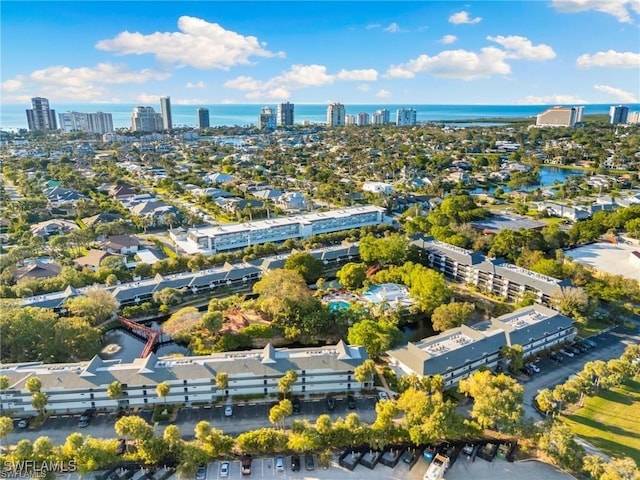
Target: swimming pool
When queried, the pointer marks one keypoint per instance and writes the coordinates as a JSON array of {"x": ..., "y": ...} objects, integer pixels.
[{"x": 337, "y": 305}]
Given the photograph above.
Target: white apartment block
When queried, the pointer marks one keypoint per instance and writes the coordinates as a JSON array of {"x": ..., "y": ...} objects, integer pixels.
[
  {"x": 363, "y": 119},
  {"x": 406, "y": 116},
  {"x": 98, "y": 122},
  {"x": 459, "y": 352},
  {"x": 493, "y": 275},
  {"x": 378, "y": 187},
  {"x": 350, "y": 120},
  {"x": 74, "y": 387},
  {"x": 560, "y": 117},
  {"x": 212, "y": 240},
  {"x": 335, "y": 115},
  {"x": 145, "y": 119}
]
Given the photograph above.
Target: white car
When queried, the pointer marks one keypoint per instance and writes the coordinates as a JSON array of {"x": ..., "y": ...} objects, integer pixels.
[
  {"x": 567, "y": 353},
  {"x": 535, "y": 367},
  {"x": 228, "y": 411},
  {"x": 383, "y": 396},
  {"x": 224, "y": 469}
]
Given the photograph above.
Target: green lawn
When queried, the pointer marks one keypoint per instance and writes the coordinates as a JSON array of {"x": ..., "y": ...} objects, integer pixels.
[
  {"x": 610, "y": 421},
  {"x": 591, "y": 327}
]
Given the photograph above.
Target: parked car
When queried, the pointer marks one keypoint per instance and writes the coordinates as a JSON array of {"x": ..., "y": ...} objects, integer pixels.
[
  {"x": 23, "y": 422},
  {"x": 331, "y": 403},
  {"x": 555, "y": 358},
  {"x": 534, "y": 367},
  {"x": 279, "y": 463},
  {"x": 295, "y": 463},
  {"x": 308, "y": 461},
  {"x": 383, "y": 396},
  {"x": 295, "y": 403},
  {"x": 583, "y": 347},
  {"x": 201, "y": 472},
  {"x": 591, "y": 343},
  {"x": 351, "y": 401},
  {"x": 567, "y": 353},
  {"x": 228, "y": 411},
  {"x": 527, "y": 370},
  {"x": 86, "y": 417},
  {"x": 573, "y": 349},
  {"x": 224, "y": 469}
]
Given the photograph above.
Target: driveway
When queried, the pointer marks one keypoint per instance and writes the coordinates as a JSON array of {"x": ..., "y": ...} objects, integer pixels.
[{"x": 463, "y": 469}]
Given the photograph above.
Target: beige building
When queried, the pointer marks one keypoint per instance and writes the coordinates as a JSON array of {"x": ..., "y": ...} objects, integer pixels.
[{"x": 560, "y": 117}]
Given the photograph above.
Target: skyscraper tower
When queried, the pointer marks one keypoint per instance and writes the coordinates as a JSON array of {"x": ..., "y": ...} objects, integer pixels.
[
  {"x": 618, "y": 114},
  {"x": 165, "y": 107},
  {"x": 335, "y": 115},
  {"x": 203, "y": 118},
  {"x": 145, "y": 119},
  {"x": 267, "y": 119},
  {"x": 40, "y": 116},
  {"x": 285, "y": 114}
]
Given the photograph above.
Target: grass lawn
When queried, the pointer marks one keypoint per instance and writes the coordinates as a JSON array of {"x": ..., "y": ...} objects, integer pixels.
[
  {"x": 610, "y": 421},
  {"x": 591, "y": 327}
]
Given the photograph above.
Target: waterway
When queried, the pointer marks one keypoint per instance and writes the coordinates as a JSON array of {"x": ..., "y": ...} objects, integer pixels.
[
  {"x": 548, "y": 177},
  {"x": 120, "y": 344}
]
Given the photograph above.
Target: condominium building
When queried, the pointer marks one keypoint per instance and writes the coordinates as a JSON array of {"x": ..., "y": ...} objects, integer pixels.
[
  {"x": 165, "y": 107},
  {"x": 618, "y": 114},
  {"x": 493, "y": 275},
  {"x": 98, "y": 122},
  {"x": 350, "y": 120},
  {"x": 40, "y": 116},
  {"x": 381, "y": 117},
  {"x": 457, "y": 353},
  {"x": 633, "y": 118},
  {"x": 406, "y": 116},
  {"x": 560, "y": 117},
  {"x": 335, "y": 115},
  {"x": 285, "y": 114},
  {"x": 267, "y": 119},
  {"x": 211, "y": 240},
  {"x": 203, "y": 118},
  {"x": 145, "y": 119},
  {"x": 74, "y": 387},
  {"x": 363, "y": 119}
]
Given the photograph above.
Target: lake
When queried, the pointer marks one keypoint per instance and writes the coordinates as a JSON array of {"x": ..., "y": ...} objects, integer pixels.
[
  {"x": 120, "y": 344},
  {"x": 548, "y": 176}
]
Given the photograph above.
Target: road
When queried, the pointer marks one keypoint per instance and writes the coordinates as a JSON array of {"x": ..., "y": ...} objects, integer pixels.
[{"x": 610, "y": 345}]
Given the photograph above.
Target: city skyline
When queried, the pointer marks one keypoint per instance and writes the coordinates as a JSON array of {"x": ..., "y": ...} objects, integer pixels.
[{"x": 322, "y": 52}]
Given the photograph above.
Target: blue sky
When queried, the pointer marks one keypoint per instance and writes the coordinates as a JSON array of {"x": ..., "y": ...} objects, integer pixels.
[{"x": 478, "y": 52}]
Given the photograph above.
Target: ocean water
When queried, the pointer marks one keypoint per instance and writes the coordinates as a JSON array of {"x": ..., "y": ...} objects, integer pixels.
[{"x": 14, "y": 117}]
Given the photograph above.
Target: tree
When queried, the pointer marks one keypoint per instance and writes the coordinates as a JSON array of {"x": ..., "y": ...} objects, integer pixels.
[
  {"x": 182, "y": 323},
  {"x": 558, "y": 442},
  {"x": 375, "y": 336},
  {"x": 572, "y": 302},
  {"x": 545, "y": 401},
  {"x": 97, "y": 305},
  {"x": 33, "y": 385},
  {"x": 286, "y": 382},
  {"x": 163, "y": 389},
  {"x": 365, "y": 372},
  {"x": 263, "y": 440},
  {"x": 497, "y": 400},
  {"x": 222, "y": 380},
  {"x": 6, "y": 427},
  {"x": 283, "y": 293},
  {"x": 451, "y": 315},
  {"x": 352, "y": 275},
  {"x": 514, "y": 354},
  {"x": 114, "y": 390},
  {"x": 306, "y": 265},
  {"x": 212, "y": 321},
  {"x": 166, "y": 296},
  {"x": 389, "y": 250},
  {"x": 39, "y": 402},
  {"x": 428, "y": 289},
  {"x": 621, "y": 469},
  {"x": 279, "y": 412},
  {"x": 133, "y": 427}
]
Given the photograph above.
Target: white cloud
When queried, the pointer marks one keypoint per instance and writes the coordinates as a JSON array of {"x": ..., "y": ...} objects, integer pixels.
[
  {"x": 82, "y": 84},
  {"x": 621, "y": 9},
  {"x": 447, "y": 39},
  {"x": 147, "y": 98},
  {"x": 617, "y": 93},
  {"x": 392, "y": 28},
  {"x": 372, "y": 26},
  {"x": 364, "y": 87},
  {"x": 609, "y": 59},
  {"x": 297, "y": 77},
  {"x": 521, "y": 48},
  {"x": 460, "y": 64},
  {"x": 199, "y": 84},
  {"x": 382, "y": 93},
  {"x": 551, "y": 100},
  {"x": 463, "y": 17},
  {"x": 198, "y": 44},
  {"x": 188, "y": 101}
]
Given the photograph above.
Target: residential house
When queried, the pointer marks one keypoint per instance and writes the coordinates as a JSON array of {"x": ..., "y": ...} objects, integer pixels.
[
  {"x": 93, "y": 259},
  {"x": 37, "y": 269},
  {"x": 121, "y": 244},
  {"x": 53, "y": 227}
]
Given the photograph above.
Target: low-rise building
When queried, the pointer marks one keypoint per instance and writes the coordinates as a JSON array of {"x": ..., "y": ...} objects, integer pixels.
[
  {"x": 493, "y": 275},
  {"x": 457, "y": 353},
  {"x": 74, "y": 387}
]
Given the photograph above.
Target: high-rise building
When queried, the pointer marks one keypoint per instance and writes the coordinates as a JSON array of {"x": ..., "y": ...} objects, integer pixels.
[
  {"x": 145, "y": 119},
  {"x": 363, "y": 119},
  {"x": 349, "y": 120},
  {"x": 633, "y": 118},
  {"x": 203, "y": 118},
  {"x": 285, "y": 114},
  {"x": 335, "y": 115},
  {"x": 381, "y": 117},
  {"x": 618, "y": 114},
  {"x": 40, "y": 116},
  {"x": 267, "y": 119},
  {"x": 98, "y": 122},
  {"x": 560, "y": 117},
  {"x": 165, "y": 107},
  {"x": 405, "y": 116}
]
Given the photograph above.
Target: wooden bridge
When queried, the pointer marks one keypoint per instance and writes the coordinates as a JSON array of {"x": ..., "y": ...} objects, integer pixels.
[{"x": 153, "y": 337}]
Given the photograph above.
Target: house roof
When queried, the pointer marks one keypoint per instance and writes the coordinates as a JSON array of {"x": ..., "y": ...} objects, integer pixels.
[{"x": 93, "y": 258}]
